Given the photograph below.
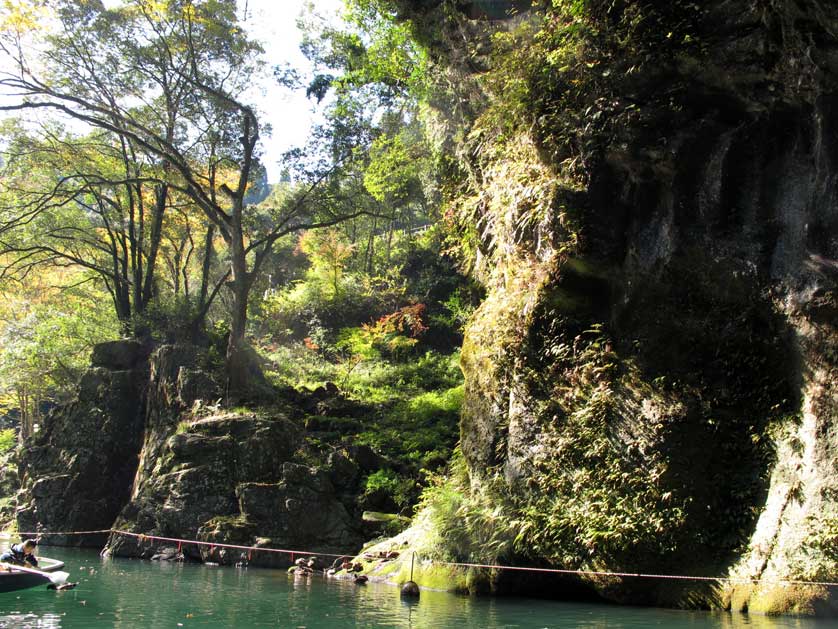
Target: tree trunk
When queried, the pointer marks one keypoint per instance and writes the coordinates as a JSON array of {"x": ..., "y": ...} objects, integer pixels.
[
  {"x": 244, "y": 376},
  {"x": 197, "y": 326},
  {"x": 206, "y": 266},
  {"x": 160, "y": 193},
  {"x": 370, "y": 252},
  {"x": 245, "y": 380},
  {"x": 25, "y": 428},
  {"x": 390, "y": 230}
]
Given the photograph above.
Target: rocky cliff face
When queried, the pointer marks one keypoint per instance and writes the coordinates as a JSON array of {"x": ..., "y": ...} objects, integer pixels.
[
  {"x": 230, "y": 478},
  {"x": 76, "y": 473},
  {"x": 234, "y": 478},
  {"x": 145, "y": 448},
  {"x": 650, "y": 383}
]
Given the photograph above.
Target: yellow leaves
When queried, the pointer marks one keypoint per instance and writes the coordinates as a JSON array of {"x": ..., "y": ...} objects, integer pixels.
[
  {"x": 161, "y": 10},
  {"x": 189, "y": 13},
  {"x": 41, "y": 287},
  {"x": 226, "y": 177},
  {"x": 8, "y": 401},
  {"x": 19, "y": 17},
  {"x": 160, "y": 7},
  {"x": 326, "y": 247}
]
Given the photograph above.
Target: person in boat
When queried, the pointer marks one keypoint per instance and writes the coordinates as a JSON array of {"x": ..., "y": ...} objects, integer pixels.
[{"x": 21, "y": 554}]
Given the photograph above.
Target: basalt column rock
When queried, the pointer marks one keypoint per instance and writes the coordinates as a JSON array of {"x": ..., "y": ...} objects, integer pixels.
[{"x": 76, "y": 472}]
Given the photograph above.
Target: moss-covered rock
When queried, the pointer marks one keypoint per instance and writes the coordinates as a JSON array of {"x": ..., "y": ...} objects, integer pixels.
[
  {"x": 647, "y": 191},
  {"x": 227, "y": 478}
]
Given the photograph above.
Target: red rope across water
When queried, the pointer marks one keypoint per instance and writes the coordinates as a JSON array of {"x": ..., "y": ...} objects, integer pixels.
[
  {"x": 213, "y": 545},
  {"x": 53, "y": 533},
  {"x": 589, "y": 573}
]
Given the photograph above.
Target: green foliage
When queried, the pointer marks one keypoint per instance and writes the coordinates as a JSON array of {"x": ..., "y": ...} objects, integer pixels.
[
  {"x": 466, "y": 524},
  {"x": 357, "y": 343},
  {"x": 313, "y": 309},
  {"x": 414, "y": 406},
  {"x": 393, "y": 335},
  {"x": 592, "y": 502},
  {"x": 375, "y": 49},
  {"x": 398, "y": 163},
  {"x": 46, "y": 335},
  {"x": 296, "y": 365},
  {"x": 391, "y": 485},
  {"x": 419, "y": 301},
  {"x": 425, "y": 406},
  {"x": 458, "y": 310},
  {"x": 420, "y": 429},
  {"x": 440, "y": 504},
  {"x": 328, "y": 252},
  {"x": 376, "y": 381},
  {"x": 386, "y": 382},
  {"x": 821, "y": 541},
  {"x": 8, "y": 439}
]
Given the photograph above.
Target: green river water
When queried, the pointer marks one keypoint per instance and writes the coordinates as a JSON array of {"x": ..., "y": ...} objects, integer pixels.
[{"x": 132, "y": 593}]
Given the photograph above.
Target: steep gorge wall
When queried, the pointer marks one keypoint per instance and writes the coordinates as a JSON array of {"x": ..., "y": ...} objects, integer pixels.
[{"x": 652, "y": 196}]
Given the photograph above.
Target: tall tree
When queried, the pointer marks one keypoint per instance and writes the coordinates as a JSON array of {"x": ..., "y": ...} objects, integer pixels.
[
  {"x": 376, "y": 75},
  {"x": 169, "y": 77},
  {"x": 82, "y": 201}
]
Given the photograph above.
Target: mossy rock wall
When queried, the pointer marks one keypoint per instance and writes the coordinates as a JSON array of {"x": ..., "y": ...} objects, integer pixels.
[{"x": 649, "y": 385}]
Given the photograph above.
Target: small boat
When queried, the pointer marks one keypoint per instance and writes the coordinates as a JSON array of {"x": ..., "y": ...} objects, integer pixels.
[{"x": 28, "y": 578}]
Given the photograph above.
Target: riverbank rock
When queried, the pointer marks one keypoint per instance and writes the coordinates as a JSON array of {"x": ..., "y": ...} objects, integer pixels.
[
  {"x": 76, "y": 472},
  {"x": 299, "y": 511},
  {"x": 147, "y": 448}
]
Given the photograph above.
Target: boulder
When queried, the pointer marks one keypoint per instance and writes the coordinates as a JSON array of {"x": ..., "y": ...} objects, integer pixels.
[
  {"x": 343, "y": 471},
  {"x": 194, "y": 385},
  {"x": 147, "y": 449},
  {"x": 219, "y": 489},
  {"x": 366, "y": 458},
  {"x": 119, "y": 355},
  {"x": 227, "y": 478}
]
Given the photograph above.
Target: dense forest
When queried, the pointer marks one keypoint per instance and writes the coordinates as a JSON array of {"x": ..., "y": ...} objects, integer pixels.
[
  {"x": 135, "y": 204},
  {"x": 550, "y": 284}
]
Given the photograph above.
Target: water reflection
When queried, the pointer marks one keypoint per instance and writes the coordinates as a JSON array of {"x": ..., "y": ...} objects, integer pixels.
[
  {"x": 128, "y": 594},
  {"x": 31, "y": 621}
]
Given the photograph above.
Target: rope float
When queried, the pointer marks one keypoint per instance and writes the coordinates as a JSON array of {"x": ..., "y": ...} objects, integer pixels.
[{"x": 587, "y": 573}]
